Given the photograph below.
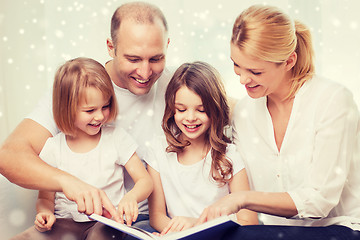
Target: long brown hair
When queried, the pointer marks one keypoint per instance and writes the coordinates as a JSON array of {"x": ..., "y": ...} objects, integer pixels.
[{"x": 206, "y": 82}]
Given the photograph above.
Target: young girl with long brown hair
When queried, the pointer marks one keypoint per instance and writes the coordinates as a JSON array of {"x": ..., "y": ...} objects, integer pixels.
[{"x": 194, "y": 164}]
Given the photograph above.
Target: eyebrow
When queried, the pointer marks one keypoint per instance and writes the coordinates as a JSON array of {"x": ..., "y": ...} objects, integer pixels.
[
  {"x": 249, "y": 69},
  {"x": 135, "y": 56}
]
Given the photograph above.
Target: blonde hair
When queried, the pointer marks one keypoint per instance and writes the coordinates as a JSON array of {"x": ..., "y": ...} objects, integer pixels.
[
  {"x": 71, "y": 80},
  {"x": 205, "y": 81},
  {"x": 266, "y": 33}
]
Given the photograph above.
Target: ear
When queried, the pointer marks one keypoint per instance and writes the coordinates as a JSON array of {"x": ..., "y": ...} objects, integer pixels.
[
  {"x": 110, "y": 47},
  {"x": 291, "y": 61}
]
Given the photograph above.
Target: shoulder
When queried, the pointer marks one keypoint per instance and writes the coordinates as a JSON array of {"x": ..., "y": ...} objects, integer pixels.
[
  {"x": 235, "y": 157},
  {"x": 52, "y": 148},
  {"x": 329, "y": 93},
  {"x": 326, "y": 88},
  {"x": 55, "y": 139},
  {"x": 231, "y": 151}
]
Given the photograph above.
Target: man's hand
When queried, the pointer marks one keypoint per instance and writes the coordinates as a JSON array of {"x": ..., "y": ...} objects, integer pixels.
[{"x": 88, "y": 198}]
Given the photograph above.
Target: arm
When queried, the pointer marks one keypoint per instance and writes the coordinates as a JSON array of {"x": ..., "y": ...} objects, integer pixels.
[
  {"x": 45, "y": 217},
  {"x": 19, "y": 157},
  {"x": 141, "y": 190},
  {"x": 279, "y": 204},
  {"x": 240, "y": 183},
  {"x": 157, "y": 209},
  {"x": 157, "y": 205}
]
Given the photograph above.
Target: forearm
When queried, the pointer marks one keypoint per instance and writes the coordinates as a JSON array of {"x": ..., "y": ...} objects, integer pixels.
[
  {"x": 142, "y": 189},
  {"x": 278, "y": 204},
  {"x": 44, "y": 206},
  {"x": 22, "y": 166},
  {"x": 159, "y": 221},
  {"x": 19, "y": 160}
]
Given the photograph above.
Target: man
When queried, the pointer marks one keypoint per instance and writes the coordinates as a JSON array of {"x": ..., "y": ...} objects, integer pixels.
[{"x": 138, "y": 44}]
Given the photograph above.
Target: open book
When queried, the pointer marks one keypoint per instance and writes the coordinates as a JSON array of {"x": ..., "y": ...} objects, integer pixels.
[{"x": 213, "y": 229}]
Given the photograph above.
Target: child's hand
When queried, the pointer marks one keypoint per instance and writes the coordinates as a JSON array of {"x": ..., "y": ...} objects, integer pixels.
[
  {"x": 179, "y": 223},
  {"x": 128, "y": 206},
  {"x": 44, "y": 221}
]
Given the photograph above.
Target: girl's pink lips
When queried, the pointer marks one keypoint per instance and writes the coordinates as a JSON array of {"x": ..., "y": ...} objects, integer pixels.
[
  {"x": 97, "y": 125},
  {"x": 192, "y": 127}
]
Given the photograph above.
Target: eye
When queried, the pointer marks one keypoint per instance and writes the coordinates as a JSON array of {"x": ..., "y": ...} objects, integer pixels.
[
  {"x": 106, "y": 106},
  {"x": 256, "y": 73},
  {"x": 156, "y": 59},
  {"x": 180, "y": 110},
  {"x": 89, "y": 110},
  {"x": 133, "y": 60}
]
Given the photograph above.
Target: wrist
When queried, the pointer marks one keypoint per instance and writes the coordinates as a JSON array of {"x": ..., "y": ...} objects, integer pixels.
[{"x": 242, "y": 200}]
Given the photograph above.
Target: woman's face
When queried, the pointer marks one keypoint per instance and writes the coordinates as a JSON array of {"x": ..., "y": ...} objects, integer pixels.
[{"x": 261, "y": 78}]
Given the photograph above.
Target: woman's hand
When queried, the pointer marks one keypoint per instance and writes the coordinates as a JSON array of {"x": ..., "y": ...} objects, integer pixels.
[
  {"x": 223, "y": 207},
  {"x": 44, "y": 221},
  {"x": 179, "y": 223},
  {"x": 128, "y": 206}
]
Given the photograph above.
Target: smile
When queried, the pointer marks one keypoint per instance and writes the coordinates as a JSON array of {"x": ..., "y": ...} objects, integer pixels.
[
  {"x": 192, "y": 127},
  {"x": 95, "y": 125},
  {"x": 142, "y": 81}
]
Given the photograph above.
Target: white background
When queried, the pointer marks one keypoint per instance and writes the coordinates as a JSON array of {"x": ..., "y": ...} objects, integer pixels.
[{"x": 37, "y": 36}]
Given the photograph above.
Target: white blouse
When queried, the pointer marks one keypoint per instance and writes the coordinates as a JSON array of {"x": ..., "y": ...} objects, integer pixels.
[{"x": 319, "y": 160}]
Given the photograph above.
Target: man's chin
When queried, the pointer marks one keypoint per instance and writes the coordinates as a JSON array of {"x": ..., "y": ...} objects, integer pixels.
[{"x": 140, "y": 91}]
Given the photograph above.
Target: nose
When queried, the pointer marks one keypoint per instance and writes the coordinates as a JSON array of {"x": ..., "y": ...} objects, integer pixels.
[
  {"x": 99, "y": 116},
  {"x": 244, "y": 79},
  {"x": 144, "y": 70},
  {"x": 191, "y": 116}
]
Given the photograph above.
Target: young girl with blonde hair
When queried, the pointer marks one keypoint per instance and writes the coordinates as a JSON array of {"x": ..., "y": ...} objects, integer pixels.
[
  {"x": 90, "y": 149},
  {"x": 194, "y": 164}
]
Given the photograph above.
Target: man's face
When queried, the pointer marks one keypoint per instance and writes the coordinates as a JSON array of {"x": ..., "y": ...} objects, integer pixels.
[{"x": 138, "y": 56}]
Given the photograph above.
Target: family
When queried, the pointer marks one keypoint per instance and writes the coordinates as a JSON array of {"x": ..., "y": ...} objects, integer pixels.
[{"x": 148, "y": 146}]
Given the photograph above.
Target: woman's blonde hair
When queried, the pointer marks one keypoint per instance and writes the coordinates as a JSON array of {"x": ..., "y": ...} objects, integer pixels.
[
  {"x": 266, "y": 33},
  {"x": 71, "y": 80},
  {"x": 205, "y": 81}
]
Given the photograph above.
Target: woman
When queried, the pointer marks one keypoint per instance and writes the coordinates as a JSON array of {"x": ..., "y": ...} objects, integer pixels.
[{"x": 298, "y": 135}]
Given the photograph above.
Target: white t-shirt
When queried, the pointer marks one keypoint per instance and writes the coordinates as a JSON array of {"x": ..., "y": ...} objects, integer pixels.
[
  {"x": 188, "y": 189},
  {"x": 101, "y": 167},
  {"x": 319, "y": 160},
  {"x": 140, "y": 116}
]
